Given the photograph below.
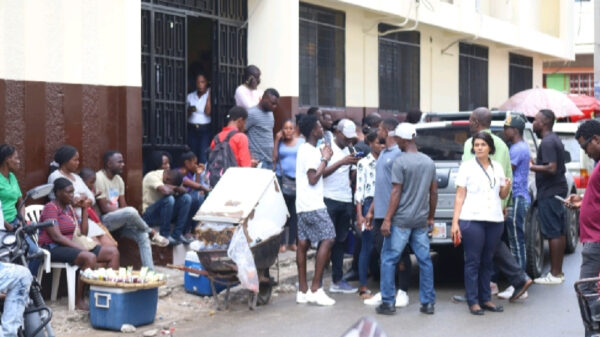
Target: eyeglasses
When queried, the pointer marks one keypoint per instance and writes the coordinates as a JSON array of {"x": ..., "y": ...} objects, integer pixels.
[{"x": 586, "y": 143}]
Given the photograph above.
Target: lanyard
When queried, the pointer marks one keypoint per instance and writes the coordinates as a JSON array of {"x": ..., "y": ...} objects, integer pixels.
[{"x": 492, "y": 185}]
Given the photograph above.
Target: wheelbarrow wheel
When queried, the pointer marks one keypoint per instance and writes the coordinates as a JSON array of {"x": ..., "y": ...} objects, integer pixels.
[{"x": 264, "y": 293}]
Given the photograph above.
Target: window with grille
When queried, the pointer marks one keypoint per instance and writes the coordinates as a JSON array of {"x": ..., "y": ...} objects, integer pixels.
[
  {"x": 399, "y": 70},
  {"x": 322, "y": 56},
  {"x": 473, "y": 76},
  {"x": 520, "y": 70},
  {"x": 582, "y": 84}
]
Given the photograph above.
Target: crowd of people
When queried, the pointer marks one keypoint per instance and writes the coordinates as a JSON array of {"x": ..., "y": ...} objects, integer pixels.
[{"x": 337, "y": 177}]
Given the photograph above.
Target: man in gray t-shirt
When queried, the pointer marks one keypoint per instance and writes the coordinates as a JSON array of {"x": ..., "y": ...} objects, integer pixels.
[
  {"x": 410, "y": 210},
  {"x": 259, "y": 128}
]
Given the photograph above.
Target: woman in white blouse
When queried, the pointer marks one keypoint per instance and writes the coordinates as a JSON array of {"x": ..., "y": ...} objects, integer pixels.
[
  {"x": 247, "y": 94},
  {"x": 363, "y": 197},
  {"x": 478, "y": 220}
]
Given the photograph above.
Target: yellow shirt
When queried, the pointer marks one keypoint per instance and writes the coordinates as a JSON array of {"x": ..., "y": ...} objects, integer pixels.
[{"x": 152, "y": 180}]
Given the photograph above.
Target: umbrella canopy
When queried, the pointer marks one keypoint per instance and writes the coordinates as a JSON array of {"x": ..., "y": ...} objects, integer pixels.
[
  {"x": 587, "y": 104},
  {"x": 533, "y": 100}
]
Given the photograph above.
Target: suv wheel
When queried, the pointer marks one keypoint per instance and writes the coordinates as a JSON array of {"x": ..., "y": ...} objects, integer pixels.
[
  {"x": 572, "y": 230},
  {"x": 534, "y": 244}
]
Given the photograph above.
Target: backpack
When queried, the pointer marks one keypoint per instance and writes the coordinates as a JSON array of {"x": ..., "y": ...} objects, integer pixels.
[{"x": 220, "y": 159}]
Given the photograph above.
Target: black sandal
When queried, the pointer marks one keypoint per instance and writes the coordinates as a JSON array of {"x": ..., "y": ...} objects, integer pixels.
[
  {"x": 476, "y": 312},
  {"x": 362, "y": 294},
  {"x": 494, "y": 308}
]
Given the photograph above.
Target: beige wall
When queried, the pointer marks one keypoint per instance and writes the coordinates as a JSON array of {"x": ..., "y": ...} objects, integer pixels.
[
  {"x": 71, "y": 41},
  {"x": 273, "y": 43},
  {"x": 583, "y": 23}
]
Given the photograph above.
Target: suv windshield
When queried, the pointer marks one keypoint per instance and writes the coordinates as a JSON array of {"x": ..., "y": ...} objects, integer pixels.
[{"x": 444, "y": 143}]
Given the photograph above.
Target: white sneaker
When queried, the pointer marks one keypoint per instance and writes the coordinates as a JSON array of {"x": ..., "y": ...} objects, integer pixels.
[
  {"x": 319, "y": 298},
  {"x": 301, "y": 297},
  {"x": 401, "y": 299},
  {"x": 375, "y": 300},
  {"x": 523, "y": 297},
  {"x": 494, "y": 288},
  {"x": 507, "y": 293},
  {"x": 550, "y": 279}
]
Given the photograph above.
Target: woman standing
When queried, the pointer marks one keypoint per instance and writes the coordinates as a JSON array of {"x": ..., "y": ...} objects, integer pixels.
[
  {"x": 478, "y": 220},
  {"x": 198, "y": 105},
  {"x": 247, "y": 94},
  {"x": 66, "y": 165},
  {"x": 10, "y": 193},
  {"x": 287, "y": 150},
  {"x": 58, "y": 239},
  {"x": 365, "y": 191}
]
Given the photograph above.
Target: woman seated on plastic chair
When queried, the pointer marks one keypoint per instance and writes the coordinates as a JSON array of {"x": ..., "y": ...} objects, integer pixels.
[{"x": 58, "y": 239}]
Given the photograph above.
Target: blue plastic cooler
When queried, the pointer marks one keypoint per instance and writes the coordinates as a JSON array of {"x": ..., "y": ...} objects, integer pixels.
[
  {"x": 110, "y": 308},
  {"x": 198, "y": 284}
]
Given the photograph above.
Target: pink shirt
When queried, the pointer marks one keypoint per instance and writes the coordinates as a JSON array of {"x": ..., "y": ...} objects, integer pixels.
[
  {"x": 247, "y": 98},
  {"x": 589, "y": 219}
]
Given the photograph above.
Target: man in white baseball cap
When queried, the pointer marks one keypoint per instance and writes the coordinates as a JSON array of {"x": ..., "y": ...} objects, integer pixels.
[
  {"x": 337, "y": 194},
  {"x": 408, "y": 217}
]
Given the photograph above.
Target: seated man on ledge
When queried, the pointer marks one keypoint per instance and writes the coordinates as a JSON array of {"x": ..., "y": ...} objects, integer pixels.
[
  {"x": 116, "y": 215},
  {"x": 165, "y": 200}
]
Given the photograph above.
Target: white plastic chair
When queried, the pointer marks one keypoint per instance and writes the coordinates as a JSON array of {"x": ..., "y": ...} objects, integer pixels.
[{"x": 33, "y": 214}]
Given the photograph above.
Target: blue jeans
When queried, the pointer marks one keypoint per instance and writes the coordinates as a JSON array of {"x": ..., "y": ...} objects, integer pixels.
[
  {"x": 340, "y": 214},
  {"x": 168, "y": 209},
  {"x": 199, "y": 140},
  {"x": 480, "y": 240},
  {"x": 366, "y": 247},
  {"x": 515, "y": 229},
  {"x": 196, "y": 202},
  {"x": 130, "y": 224},
  {"x": 393, "y": 246},
  {"x": 15, "y": 281}
]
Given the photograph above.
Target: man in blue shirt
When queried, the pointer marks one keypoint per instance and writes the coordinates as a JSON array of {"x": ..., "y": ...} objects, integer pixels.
[
  {"x": 383, "y": 190},
  {"x": 519, "y": 159}
]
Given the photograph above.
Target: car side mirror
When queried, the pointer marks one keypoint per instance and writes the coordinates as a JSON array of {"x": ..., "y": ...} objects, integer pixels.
[
  {"x": 567, "y": 157},
  {"x": 40, "y": 191}
]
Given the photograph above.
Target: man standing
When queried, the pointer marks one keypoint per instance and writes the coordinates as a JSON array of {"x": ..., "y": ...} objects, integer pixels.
[
  {"x": 588, "y": 136},
  {"x": 383, "y": 190},
  {"x": 198, "y": 104},
  {"x": 480, "y": 121},
  {"x": 409, "y": 214},
  {"x": 519, "y": 160},
  {"x": 550, "y": 182},
  {"x": 314, "y": 224},
  {"x": 337, "y": 192},
  {"x": 326, "y": 121},
  {"x": 116, "y": 215},
  {"x": 259, "y": 128}
]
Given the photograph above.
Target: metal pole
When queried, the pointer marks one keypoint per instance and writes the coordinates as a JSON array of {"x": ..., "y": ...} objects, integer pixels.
[{"x": 597, "y": 49}]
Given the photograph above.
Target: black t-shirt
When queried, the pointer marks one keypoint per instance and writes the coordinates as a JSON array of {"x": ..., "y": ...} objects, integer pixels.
[{"x": 551, "y": 150}]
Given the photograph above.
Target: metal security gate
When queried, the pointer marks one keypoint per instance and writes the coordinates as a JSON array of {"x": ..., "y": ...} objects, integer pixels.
[{"x": 164, "y": 65}]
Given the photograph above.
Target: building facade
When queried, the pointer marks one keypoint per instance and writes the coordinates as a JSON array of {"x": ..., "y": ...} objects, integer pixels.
[
  {"x": 576, "y": 76},
  {"x": 113, "y": 74}
]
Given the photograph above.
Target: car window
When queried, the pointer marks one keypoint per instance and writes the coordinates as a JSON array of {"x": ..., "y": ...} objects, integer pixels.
[
  {"x": 571, "y": 145},
  {"x": 530, "y": 139},
  {"x": 443, "y": 143}
]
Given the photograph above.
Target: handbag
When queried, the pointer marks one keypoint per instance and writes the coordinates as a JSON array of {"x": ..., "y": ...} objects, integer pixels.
[
  {"x": 288, "y": 185},
  {"x": 87, "y": 243}
]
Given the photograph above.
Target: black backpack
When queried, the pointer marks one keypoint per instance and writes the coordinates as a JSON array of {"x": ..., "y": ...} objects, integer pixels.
[{"x": 220, "y": 159}]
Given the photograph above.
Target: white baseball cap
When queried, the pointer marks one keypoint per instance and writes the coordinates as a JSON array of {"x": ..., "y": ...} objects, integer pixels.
[
  {"x": 347, "y": 128},
  {"x": 405, "y": 131}
]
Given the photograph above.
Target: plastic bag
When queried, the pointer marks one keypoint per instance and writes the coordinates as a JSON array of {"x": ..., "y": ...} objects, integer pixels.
[
  {"x": 240, "y": 253},
  {"x": 262, "y": 232}
]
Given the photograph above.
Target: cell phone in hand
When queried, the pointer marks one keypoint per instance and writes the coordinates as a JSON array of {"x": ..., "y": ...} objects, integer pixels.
[
  {"x": 359, "y": 154},
  {"x": 560, "y": 198}
]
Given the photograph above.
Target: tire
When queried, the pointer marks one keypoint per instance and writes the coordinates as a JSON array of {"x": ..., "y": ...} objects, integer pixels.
[
  {"x": 264, "y": 293},
  {"x": 534, "y": 244},
  {"x": 571, "y": 230}
]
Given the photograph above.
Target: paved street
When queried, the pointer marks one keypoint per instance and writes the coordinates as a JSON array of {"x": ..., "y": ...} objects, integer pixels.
[{"x": 549, "y": 311}]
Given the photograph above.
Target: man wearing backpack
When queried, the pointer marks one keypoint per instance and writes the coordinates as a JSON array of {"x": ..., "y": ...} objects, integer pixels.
[{"x": 231, "y": 140}]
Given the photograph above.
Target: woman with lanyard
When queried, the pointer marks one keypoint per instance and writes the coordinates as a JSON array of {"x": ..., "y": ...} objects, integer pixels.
[
  {"x": 66, "y": 165},
  {"x": 478, "y": 221},
  {"x": 286, "y": 150}
]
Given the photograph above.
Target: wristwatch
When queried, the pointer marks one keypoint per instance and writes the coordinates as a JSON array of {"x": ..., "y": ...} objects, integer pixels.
[{"x": 323, "y": 159}]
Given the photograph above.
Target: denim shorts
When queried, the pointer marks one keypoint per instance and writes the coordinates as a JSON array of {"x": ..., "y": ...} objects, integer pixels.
[{"x": 551, "y": 214}]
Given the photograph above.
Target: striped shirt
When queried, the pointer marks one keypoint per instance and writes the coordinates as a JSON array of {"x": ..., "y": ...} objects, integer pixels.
[
  {"x": 259, "y": 128},
  {"x": 65, "y": 218}
]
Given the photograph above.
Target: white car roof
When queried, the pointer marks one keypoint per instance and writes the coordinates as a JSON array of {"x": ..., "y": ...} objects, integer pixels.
[{"x": 565, "y": 127}]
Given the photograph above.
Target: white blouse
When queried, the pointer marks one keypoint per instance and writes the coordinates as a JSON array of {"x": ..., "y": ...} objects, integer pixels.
[{"x": 482, "y": 202}]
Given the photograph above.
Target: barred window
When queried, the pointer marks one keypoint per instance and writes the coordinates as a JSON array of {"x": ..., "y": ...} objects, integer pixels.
[
  {"x": 520, "y": 69},
  {"x": 322, "y": 56},
  {"x": 582, "y": 84},
  {"x": 399, "y": 70},
  {"x": 473, "y": 76}
]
